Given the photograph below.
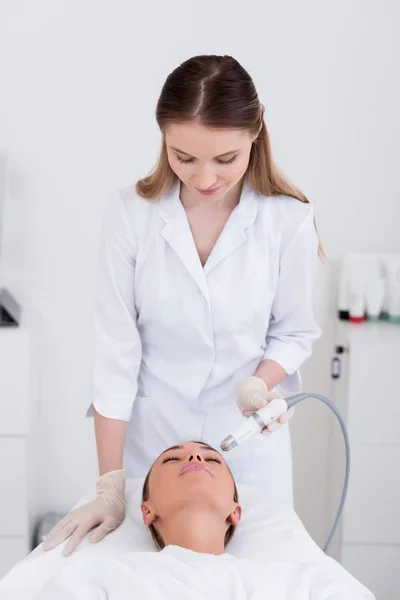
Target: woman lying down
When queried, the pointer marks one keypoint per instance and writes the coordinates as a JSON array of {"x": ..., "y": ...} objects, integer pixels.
[{"x": 190, "y": 504}]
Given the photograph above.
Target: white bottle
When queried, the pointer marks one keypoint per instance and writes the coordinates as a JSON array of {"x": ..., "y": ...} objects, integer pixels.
[
  {"x": 356, "y": 289},
  {"x": 374, "y": 297},
  {"x": 392, "y": 268}
]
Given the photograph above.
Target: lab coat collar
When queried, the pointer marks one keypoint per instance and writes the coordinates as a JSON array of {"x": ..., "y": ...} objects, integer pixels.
[
  {"x": 170, "y": 204},
  {"x": 178, "y": 234}
]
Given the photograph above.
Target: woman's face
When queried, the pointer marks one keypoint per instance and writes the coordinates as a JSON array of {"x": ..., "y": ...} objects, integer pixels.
[
  {"x": 187, "y": 475},
  {"x": 208, "y": 158}
]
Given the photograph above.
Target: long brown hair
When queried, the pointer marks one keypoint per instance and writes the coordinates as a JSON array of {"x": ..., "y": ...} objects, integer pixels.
[
  {"x": 217, "y": 92},
  {"x": 157, "y": 537}
]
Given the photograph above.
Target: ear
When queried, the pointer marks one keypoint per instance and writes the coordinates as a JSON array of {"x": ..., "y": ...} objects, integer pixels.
[
  {"x": 257, "y": 134},
  {"x": 235, "y": 516},
  {"x": 148, "y": 514}
]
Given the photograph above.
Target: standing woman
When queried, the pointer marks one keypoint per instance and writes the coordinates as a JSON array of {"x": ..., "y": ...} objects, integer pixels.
[{"x": 204, "y": 300}]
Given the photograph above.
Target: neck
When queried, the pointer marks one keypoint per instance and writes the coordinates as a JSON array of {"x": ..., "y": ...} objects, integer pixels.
[{"x": 200, "y": 531}]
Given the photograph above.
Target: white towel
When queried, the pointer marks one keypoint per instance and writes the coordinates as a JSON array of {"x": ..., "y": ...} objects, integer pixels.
[{"x": 179, "y": 574}]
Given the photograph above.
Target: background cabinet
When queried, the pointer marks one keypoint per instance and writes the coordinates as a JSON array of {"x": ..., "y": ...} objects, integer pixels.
[
  {"x": 17, "y": 453},
  {"x": 368, "y": 395}
]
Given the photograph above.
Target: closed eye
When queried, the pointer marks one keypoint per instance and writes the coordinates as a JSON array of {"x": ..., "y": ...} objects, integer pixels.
[
  {"x": 208, "y": 459},
  {"x": 217, "y": 460},
  {"x": 168, "y": 458},
  {"x": 219, "y": 161}
]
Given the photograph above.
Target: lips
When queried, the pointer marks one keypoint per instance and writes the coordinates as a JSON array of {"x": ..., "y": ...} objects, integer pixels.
[
  {"x": 208, "y": 191},
  {"x": 195, "y": 467}
]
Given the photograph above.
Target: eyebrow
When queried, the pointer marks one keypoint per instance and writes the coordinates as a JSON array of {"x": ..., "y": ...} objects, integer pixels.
[
  {"x": 219, "y": 155},
  {"x": 180, "y": 447}
]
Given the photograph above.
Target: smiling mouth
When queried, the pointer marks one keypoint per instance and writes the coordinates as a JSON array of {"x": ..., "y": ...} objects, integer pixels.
[{"x": 195, "y": 467}]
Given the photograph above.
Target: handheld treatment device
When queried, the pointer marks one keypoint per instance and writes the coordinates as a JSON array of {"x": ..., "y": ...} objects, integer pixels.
[{"x": 262, "y": 418}]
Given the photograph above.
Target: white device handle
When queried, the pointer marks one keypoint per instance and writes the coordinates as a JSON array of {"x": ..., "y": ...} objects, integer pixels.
[
  {"x": 256, "y": 423},
  {"x": 270, "y": 413}
]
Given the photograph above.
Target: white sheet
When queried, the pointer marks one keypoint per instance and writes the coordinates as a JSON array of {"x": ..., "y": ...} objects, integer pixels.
[
  {"x": 179, "y": 574},
  {"x": 270, "y": 532}
]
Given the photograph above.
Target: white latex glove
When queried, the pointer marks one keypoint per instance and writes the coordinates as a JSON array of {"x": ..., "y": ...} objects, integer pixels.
[
  {"x": 253, "y": 395},
  {"x": 105, "y": 512}
]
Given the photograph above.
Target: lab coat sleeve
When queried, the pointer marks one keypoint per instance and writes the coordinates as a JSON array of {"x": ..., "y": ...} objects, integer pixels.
[
  {"x": 118, "y": 348},
  {"x": 292, "y": 328}
]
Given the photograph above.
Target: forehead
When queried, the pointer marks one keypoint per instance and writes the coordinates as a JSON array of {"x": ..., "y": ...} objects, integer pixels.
[{"x": 198, "y": 138}]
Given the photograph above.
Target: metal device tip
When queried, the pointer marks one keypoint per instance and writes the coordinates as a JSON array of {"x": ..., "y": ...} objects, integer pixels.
[{"x": 228, "y": 443}]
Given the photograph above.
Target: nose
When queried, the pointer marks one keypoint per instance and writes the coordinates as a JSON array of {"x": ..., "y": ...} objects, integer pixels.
[
  {"x": 206, "y": 178},
  {"x": 195, "y": 457}
]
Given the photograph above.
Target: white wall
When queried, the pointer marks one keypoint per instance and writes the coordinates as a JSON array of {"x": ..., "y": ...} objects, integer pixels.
[{"x": 79, "y": 84}]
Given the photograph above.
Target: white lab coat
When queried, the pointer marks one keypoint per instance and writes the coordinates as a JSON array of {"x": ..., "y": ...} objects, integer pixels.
[{"x": 174, "y": 340}]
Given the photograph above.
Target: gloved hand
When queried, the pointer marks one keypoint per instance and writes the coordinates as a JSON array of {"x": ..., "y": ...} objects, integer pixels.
[
  {"x": 253, "y": 395},
  {"x": 106, "y": 511}
]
